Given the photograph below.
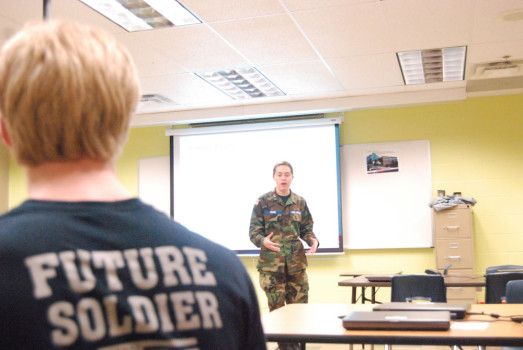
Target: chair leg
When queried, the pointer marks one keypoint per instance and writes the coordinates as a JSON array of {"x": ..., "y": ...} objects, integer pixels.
[{"x": 388, "y": 347}]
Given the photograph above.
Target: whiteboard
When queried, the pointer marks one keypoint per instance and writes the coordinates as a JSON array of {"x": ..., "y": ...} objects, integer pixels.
[{"x": 384, "y": 205}]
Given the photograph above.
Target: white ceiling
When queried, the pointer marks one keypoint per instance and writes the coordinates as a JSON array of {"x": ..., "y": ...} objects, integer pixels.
[{"x": 325, "y": 55}]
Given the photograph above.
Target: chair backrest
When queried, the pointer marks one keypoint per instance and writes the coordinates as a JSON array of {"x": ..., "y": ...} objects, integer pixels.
[
  {"x": 504, "y": 268},
  {"x": 410, "y": 287},
  {"x": 496, "y": 285},
  {"x": 514, "y": 293}
]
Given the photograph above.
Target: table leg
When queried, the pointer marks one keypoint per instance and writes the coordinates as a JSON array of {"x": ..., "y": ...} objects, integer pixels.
[{"x": 354, "y": 291}]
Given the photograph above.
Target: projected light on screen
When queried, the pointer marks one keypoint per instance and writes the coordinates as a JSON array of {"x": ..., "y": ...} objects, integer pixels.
[{"x": 218, "y": 176}]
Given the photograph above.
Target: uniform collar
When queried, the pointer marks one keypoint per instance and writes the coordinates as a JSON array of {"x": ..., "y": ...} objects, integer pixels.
[{"x": 275, "y": 196}]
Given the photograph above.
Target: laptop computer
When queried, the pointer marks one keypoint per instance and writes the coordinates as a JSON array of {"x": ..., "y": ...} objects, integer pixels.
[
  {"x": 397, "y": 320},
  {"x": 379, "y": 278},
  {"x": 457, "y": 310}
]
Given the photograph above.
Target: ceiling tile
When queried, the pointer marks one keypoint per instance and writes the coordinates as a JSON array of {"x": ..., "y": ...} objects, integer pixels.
[
  {"x": 183, "y": 89},
  {"x": 149, "y": 60},
  {"x": 270, "y": 39},
  {"x": 347, "y": 30},
  {"x": 424, "y": 24},
  {"x": 494, "y": 51},
  {"x": 489, "y": 24},
  {"x": 367, "y": 71},
  {"x": 196, "y": 47},
  {"x": 302, "y": 77},
  {"x": 220, "y": 10},
  {"x": 300, "y": 5},
  {"x": 23, "y": 11}
]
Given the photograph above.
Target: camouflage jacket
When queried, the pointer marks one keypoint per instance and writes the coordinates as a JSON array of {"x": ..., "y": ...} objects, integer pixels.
[{"x": 288, "y": 221}]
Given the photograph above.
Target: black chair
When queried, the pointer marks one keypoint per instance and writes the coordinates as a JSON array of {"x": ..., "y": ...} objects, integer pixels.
[
  {"x": 407, "y": 288},
  {"x": 514, "y": 293},
  {"x": 496, "y": 285}
]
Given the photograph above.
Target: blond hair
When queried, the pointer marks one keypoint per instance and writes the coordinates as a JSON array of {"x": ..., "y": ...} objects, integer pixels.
[{"x": 67, "y": 92}]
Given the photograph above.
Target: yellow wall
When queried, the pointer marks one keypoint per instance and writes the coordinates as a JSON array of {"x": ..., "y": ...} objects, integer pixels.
[
  {"x": 476, "y": 149},
  {"x": 143, "y": 142},
  {"x": 17, "y": 184}
]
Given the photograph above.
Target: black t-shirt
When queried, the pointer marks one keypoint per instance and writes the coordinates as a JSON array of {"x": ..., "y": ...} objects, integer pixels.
[
  {"x": 119, "y": 275},
  {"x": 284, "y": 198}
]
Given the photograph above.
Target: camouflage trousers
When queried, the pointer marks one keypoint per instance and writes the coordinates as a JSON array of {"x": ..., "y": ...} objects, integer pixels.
[{"x": 282, "y": 288}]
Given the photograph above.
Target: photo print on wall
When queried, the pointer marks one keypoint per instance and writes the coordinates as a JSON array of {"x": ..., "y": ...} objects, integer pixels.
[{"x": 382, "y": 162}]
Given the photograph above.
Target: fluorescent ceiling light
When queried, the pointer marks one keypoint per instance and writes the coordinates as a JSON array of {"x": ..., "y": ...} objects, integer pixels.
[
  {"x": 242, "y": 83},
  {"x": 433, "y": 65},
  {"x": 134, "y": 15}
]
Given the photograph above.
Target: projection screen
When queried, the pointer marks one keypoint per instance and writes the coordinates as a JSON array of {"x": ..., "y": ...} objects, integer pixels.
[{"x": 219, "y": 172}]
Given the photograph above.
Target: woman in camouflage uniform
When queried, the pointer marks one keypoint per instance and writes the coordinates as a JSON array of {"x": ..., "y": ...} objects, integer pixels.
[{"x": 279, "y": 219}]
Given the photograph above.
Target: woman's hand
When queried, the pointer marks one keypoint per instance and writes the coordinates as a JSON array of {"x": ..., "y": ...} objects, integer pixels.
[
  {"x": 314, "y": 246},
  {"x": 267, "y": 243}
]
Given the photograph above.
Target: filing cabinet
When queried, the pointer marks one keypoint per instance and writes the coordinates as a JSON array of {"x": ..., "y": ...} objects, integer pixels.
[{"x": 454, "y": 244}]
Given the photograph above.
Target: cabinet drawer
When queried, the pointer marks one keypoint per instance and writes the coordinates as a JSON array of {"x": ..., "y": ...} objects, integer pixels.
[
  {"x": 453, "y": 223},
  {"x": 463, "y": 301},
  {"x": 461, "y": 293},
  {"x": 459, "y": 273},
  {"x": 458, "y": 252}
]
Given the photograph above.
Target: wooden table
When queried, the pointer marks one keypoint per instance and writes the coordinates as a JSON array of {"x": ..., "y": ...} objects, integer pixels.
[
  {"x": 355, "y": 287},
  {"x": 320, "y": 323},
  {"x": 363, "y": 282}
]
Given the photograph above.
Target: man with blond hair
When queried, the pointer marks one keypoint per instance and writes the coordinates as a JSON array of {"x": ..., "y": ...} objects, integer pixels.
[{"x": 83, "y": 264}]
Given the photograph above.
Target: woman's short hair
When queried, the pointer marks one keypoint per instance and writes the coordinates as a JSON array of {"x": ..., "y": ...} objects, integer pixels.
[
  {"x": 67, "y": 92},
  {"x": 280, "y": 164}
]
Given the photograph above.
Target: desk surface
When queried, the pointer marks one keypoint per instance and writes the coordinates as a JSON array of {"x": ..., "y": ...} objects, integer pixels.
[
  {"x": 450, "y": 281},
  {"x": 320, "y": 323},
  {"x": 359, "y": 273}
]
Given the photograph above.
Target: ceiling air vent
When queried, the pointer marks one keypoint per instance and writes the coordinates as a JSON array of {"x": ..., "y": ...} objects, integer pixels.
[
  {"x": 154, "y": 102},
  {"x": 497, "y": 69},
  {"x": 503, "y": 75},
  {"x": 154, "y": 98}
]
